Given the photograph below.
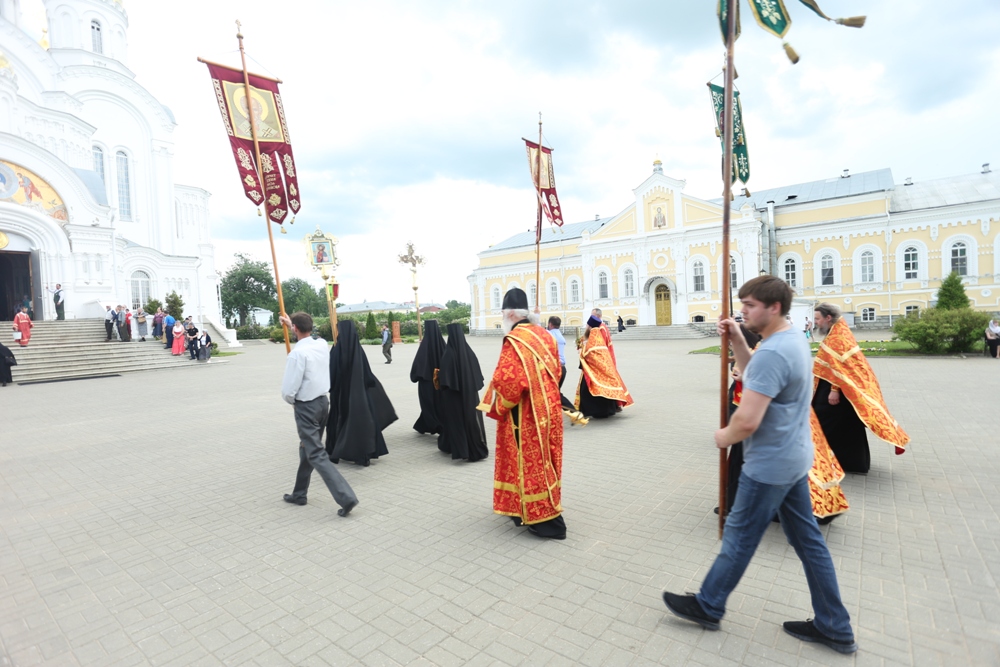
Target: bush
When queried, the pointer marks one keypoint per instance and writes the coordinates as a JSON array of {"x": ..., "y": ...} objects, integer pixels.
[
  {"x": 152, "y": 305},
  {"x": 371, "y": 341},
  {"x": 409, "y": 339},
  {"x": 408, "y": 328},
  {"x": 371, "y": 329},
  {"x": 253, "y": 332},
  {"x": 175, "y": 305},
  {"x": 951, "y": 295},
  {"x": 943, "y": 331}
]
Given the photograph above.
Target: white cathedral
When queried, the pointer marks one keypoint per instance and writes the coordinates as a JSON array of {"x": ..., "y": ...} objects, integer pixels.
[{"x": 87, "y": 191}]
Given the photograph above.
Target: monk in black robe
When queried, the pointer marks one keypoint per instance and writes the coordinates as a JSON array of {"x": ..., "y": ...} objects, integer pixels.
[
  {"x": 462, "y": 432},
  {"x": 6, "y": 356},
  {"x": 425, "y": 365},
  {"x": 359, "y": 407}
]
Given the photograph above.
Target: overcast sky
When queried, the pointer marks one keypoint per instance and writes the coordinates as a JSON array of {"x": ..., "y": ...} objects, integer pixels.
[{"x": 406, "y": 117}]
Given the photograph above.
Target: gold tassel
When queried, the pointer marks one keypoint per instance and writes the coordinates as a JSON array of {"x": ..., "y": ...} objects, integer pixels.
[
  {"x": 284, "y": 231},
  {"x": 790, "y": 52},
  {"x": 259, "y": 214},
  {"x": 746, "y": 192},
  {"x": 292, "y": 221},
  {"x": 717, "y": 133},
  {"x": 853, "y": 21}
]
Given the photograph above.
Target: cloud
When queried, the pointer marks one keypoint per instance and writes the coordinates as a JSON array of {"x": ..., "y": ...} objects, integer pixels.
[{"x": 407, "y": 117}]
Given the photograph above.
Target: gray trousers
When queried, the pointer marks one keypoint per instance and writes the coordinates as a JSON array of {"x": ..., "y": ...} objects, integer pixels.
[
  {"x": 310, "y": 419},
  {"x": 387, "y": 351}
]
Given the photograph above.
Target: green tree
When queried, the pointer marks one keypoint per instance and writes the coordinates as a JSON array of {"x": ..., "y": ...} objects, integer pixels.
[
  {"x": 371, "y": 329},
  {"x": 452, "y": 304},
  {"x": 247, "y": 285},
  {"x": 455, "y": 312},
  {"x": 943, "y": 331},
  {"x": 300, "y": 295},
  {"x": 174, "y": 305},
  {"x": 152, "y": 305},
  {"x": 951, "y": 294}
]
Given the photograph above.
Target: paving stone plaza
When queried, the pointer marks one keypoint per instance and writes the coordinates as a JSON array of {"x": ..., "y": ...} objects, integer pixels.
[{"x": 142, "y": 523}]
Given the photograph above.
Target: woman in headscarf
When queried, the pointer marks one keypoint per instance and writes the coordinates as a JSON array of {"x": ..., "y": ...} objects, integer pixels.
[
  {"x": 140, "y": 324},
  {"x": 180, "y": 340},
  {"x": 359, "y": 407},
  {"x": 993, "y": 339},
  {"x": 462, "y": 432},
  {"x": 424, "y": 370}
]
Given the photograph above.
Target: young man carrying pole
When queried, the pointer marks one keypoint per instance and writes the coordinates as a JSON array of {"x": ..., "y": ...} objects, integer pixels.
[{"x": 773, "y": 423}]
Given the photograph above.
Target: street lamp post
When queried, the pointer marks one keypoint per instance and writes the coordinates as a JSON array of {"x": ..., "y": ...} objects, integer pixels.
[{"x": 414, "y": 261}]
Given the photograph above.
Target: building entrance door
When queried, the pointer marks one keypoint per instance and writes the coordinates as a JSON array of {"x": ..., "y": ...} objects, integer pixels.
[
  {"x": 15, "y": 284},
  {"x": 663, "y": 317}
]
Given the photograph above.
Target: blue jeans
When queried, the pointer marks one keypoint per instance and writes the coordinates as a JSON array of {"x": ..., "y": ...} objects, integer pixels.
[{"x": 755, "y": 505}]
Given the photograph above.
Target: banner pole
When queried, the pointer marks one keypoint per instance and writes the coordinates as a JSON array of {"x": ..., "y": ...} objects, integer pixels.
[
  {"x": 538, "y": 224},
  {"x": 727, "y": 192},
  {"x": 260, "y": 174}
]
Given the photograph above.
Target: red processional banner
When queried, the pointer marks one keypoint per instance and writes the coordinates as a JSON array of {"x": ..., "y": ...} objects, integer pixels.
[
  {"x": 546, "y": 186},
  {"x": 277, "y": 187}
]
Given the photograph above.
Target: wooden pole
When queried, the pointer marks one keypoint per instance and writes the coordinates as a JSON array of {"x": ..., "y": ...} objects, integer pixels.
[
  {"x": 727, "y": 192},
  {"x": 260, "y": 174},
  {"x": 538, "y": 227},
  {"x": 331, "y": 305},
  {"x": 416, "y": 304}
]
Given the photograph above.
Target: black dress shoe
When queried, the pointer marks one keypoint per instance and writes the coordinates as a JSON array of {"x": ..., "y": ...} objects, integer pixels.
[
  {"x": 807, "y": 632},
  {"x": 346, "y": 509},
  {"x": 289, "y": 498},
  {"x": 688, "y": 608},
  {"x": 535, "y": 531}
]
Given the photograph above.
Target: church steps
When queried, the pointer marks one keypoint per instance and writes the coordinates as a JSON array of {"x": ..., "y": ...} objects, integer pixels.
[
  {"x": 650, "y": 332},
  {"x": 73, "y": 349}
]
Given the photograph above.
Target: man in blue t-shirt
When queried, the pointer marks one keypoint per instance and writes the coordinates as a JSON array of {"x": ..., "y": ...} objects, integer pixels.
[
  {"x": 773, "y": 423},
  {"x": 168, "y": 329}
]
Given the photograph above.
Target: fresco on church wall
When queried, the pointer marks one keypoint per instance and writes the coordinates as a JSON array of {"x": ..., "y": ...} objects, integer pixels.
[{"x": 25, "y": 188}]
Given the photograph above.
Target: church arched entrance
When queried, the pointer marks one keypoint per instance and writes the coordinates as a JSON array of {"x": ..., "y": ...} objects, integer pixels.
[
  {"x": 15, "y": 283},
  {"x": 663, "y": 311}
]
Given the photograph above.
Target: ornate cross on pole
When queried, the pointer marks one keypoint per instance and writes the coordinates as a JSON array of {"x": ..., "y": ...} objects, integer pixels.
[{"x": 414, "y": 261}]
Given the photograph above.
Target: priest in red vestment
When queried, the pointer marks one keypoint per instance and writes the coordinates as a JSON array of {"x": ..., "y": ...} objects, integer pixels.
[
  {"x": 23, "y": 326},
  {"x": 524, "y": 399}
]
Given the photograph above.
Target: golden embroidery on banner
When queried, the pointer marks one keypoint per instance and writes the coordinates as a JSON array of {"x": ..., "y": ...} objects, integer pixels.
[{"x": 265, "y": 111}]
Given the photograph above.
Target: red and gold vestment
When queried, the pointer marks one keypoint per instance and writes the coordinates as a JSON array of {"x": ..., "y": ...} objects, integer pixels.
[
  {"x": 524, "y": 399},
  {"x": 600, "y": 371},
  {"x": 841, "y": 363}
]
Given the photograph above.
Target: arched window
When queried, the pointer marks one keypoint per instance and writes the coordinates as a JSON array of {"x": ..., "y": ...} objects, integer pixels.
[
  {"x": 629, "y": 286},
  {"x": 532, "y": 294},
  {"x": 140, "y": 289},
  {"x": 911, "y": 263},
  {"x": 574, "y": 291},
  {"x": 698, "y": 271},
  {"x": 867, "y": 314},
  {"x": 99, "y": 161},
  {"x": 791, "y": 273},
  {"x": 496, "y": 298},
  {"x": 867, "y": 266},
  {"x": 553, "y": 293},
  {"x": 124, "y": 188},
  {"x": 826, "y": 270},
  {"x": 96, "y": 43},
  {"x": 602, "y": 285},
  {"x": 959, "y": 259},
  {"x": 734, "y": 280}
]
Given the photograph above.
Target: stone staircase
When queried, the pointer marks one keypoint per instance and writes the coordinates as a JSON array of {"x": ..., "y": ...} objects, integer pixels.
[
  {"x": 652, "y": 332},
  {"x": 76, "y": 349}
]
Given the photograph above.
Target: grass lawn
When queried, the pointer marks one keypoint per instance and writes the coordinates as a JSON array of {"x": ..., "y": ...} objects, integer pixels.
[
  {"x": 878, "y": 348},
  {"x": 225, "y": 354}
]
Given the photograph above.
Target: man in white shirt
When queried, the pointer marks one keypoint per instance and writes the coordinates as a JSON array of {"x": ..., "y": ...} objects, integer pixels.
[
  {"x": 305, "y": 386},
  {"x": 57, "y": 296},
  {"x": 109, "y": 322}
]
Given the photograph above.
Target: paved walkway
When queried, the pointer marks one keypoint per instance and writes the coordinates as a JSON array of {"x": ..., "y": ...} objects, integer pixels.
[{"x": 141, "y": 522}]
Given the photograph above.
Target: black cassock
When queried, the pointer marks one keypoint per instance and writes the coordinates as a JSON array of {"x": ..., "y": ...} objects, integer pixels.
[
  {"x": 844, "y": 430},
  {"x": 359, "y": 407},
  {"x": 425, "y": 363},
  {"x": 462, "y": 432},
  {"x": 5, "y": 369}
]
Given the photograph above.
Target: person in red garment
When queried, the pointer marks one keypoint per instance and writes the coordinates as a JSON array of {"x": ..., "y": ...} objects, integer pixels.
[
  {"x": 523, "y": 398},
  {"x": 23, "y": 326}
]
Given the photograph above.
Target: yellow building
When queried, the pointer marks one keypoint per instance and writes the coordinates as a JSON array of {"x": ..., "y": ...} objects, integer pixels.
[{"x": 875, "y": 248}]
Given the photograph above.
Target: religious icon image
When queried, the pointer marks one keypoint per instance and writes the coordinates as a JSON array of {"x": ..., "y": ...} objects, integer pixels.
[
  {"x": 659, "y": 220},
  {"x": 320, "y": 253},
  {"x": 264, "y": 110}
]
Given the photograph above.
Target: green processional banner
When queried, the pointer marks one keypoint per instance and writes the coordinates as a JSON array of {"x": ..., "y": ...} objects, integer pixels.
[{"x": 741, "y": 158}]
